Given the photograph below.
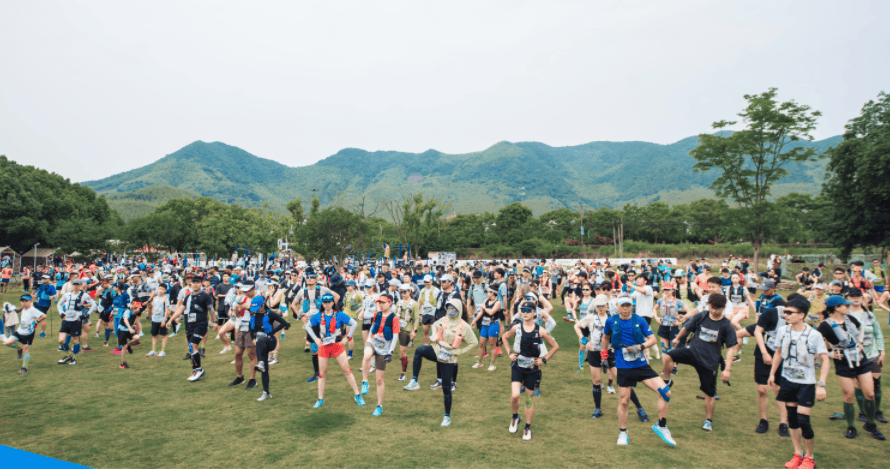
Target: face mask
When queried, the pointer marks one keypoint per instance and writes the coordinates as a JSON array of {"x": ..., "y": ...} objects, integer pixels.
[{"x": 452, "y": 313}]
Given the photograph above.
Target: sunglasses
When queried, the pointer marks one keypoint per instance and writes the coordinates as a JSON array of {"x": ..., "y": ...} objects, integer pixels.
[
  {"x": 585, "y": 289},
  {"x": 328, "y": 301}
]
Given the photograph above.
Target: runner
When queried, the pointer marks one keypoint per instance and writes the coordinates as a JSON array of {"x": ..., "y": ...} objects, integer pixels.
[
  {"x": 199, "y": 306},
  {"x": 240, "y": 305},
  {"x": 385, "y": 329},
  {"x": 590, "y": 335},
  {"x": 160, "y": 311},
  {"x": 586, "y": 306},
  {"x": 308, "y": 300},
  {"x": 45, "y": 294},
  {"x": 712, "y": 331},
  {"x": 74, "y": 306},
  {"x": 489, "y": 327},
  {"x": 324, "y": 328},
  {"x": 527, "y": 357},
  {"x": 223, "y": 325},
  {"x": 408, "y": 310},
  {"x": 629, "y": 335},
  {"x": 448, "y": 293},
  {"x": 23, "y": 336},
  {"x": 799, "y": 346},
  {"x": 430, "y": 298},
  {"x": 452, "y": 337},
  {"x": 670, "y": 313},
  {"x": 842, "y": 334},
  {"x": 264, "y": 324},
  {"x": 769, "y": 319},
  {"x": 873, "y": 345}
]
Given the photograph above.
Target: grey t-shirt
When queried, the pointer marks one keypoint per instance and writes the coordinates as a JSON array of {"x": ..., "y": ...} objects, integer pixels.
[
  {"x": 710, "y": 337},
  {"x": 796, "y": 368}
]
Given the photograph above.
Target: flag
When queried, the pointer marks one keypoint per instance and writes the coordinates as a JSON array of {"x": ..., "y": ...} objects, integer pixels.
[{"x": 386, "y": 250}]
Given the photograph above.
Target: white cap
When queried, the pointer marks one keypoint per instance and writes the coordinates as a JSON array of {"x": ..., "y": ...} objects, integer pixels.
[
  {"x": 624, "y": 299},
  {"x": 427, "y": 278},
  {"x": 369, "y": 283},
  {"x": 405, "y": 286},
  {"x": 394, "y": 283},
  {"x": 446, "y": 278},
  {"x": 600, "y": 300}
]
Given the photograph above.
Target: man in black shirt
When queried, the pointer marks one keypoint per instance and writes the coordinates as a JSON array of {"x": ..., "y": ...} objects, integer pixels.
[
  {"x": 711, "y": 332},
  {"x": 198, "y": 304}
]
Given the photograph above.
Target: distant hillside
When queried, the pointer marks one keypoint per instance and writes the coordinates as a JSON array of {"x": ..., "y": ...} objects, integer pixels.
[
  {"x": 540, "y": 176},
  {"x": 140, "y": 202}
]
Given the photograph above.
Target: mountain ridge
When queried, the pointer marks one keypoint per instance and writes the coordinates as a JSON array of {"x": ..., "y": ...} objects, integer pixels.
[{"x": 596, "y": 174}]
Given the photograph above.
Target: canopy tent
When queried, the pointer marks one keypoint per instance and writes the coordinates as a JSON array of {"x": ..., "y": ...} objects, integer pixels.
[
  {"x": 8, "y": 255},
  {"x": 38, "y": 256}
]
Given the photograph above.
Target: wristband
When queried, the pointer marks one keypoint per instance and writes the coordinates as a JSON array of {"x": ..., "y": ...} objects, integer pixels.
[
  {"x": 584, "y": 341},
  {"x": 604, "y": 354}
]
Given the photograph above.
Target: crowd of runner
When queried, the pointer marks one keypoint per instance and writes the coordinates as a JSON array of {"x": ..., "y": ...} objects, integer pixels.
[{"x": 622, "y": 315}]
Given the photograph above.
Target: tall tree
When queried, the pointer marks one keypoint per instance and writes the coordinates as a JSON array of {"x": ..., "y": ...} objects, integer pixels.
[
  {"x": 336, "y": 232},
  {"x": 415, "y": 220},
  {"x": 856, "y": 180},
  {"x": 751, "y": 160}
]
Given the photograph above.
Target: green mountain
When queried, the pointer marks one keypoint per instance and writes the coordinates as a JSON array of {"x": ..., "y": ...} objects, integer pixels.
[{"x": 542, "y": 177}]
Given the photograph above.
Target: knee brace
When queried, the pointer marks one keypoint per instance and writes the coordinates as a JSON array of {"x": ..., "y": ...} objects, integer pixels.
[
  {"x": 664, "y": 394},
  {"x": 793, "y": 421},
  {"x": 805, "y": 428},
  {"x": 528, "y": 401},
  {"x": 597, "y": 388}
]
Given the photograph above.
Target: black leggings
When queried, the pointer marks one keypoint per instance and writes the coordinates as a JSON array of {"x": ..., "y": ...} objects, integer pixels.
[
  {"x": 263, "y": 347},
  {"x": 444, "y": 370}
]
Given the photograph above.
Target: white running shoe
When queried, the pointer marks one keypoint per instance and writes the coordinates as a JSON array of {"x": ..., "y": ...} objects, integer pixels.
[
  {"x": 664, "y": 434},
  {"x": 141, "y": 334},
  {"x": 373, "y": 369},
  {"x": 151, "y": 354},
  {"x": 610, "y": 389},
  {"x": 623, "y": 440},
  {"x": 491, "y": 367},
  {"x": 162, "y": 354},
  {"x": 527, "y": 434},
  {"x": 225, "y": 349},
  {"x": 412, "y": 386},
  {"x": 192, "y": 376},
  {"x": 446, "y": 421},
  {"x": 264, "y": 397},
  {"x": 402, "y": 377},
  {"x": 97, "y": 335},
  {"x": 478, "y": 364},
  {"x": 514, "y": 425},
  {"x": 273, "y": 361},
  {"x": 217, "y": 337},
  {"x": 233, "y": 362},
  {"x": 744, "y": 341}
]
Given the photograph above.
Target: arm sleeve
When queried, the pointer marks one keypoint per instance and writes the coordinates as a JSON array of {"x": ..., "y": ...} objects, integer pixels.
[
  {"x": 879, "y": 335},
  {"x": 549, "y": 324},
  {"x": 352, "y": 325},
  {"x": 827, "y": 333},
  {"x": 470, "y": 340},
  {"x": 768, "y": 319},
  {"x": 277, "y": 320}
]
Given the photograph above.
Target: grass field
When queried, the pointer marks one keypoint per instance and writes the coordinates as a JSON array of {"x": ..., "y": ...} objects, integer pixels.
[{"x": 98, "y": 415}]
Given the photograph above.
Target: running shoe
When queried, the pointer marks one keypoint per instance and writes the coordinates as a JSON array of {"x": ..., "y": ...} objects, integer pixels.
[
  {"x": 836, "y": 416},
  {"x": 862, "y": 417},
  {"x": 642, "y": 414},
  {"x": 306, "y": 350},
  {"x": 783, "y": 430},
  {"x": 201, "y": 352},
  {"x": 807, "y": 463},
  {"x": 64, "y": 360},
  {"x": 187, "y": 356},
  {"x": 446, "y": 421},
  {"x": 674, "y": 371},
  {"x": 596, "y": 414},
  {"x": 664, "y": 434},
  {"x": 87, "y": 348},
  {"x": 251, "y": 384},
  {"x": 708, "y": 426},
  {"x": 151, "y": 354},
  {"x": 349, "y": 357},
  {"x": 72, "y": 362},
  {"x": 736, "y": 359},
  {"x": 217, "y": 337},
  {"x": 260, "y": 366},
  {"x": 162, "y": 354},
  {"x": 172, "y": 335},
  {"x": 537, "y": 392},
  {"x": 264, "y": 397},
  {"x": 623, "y": 440},
  {"x": 273, "y": 361},
  {"x": 19, "y": 354},
  {"x": 478, "y": 364},
  {"x": 514, "y": 425},
  {"x": 124, "y": 366},
  {"x": 97, "y": 335},
  {"x": 491, "y": 367},
  {"x": 610, "y": 389},
  {"x": 373, "y": 369},
  {"x": 377, "y": 411},
  {"x": 795, "y": 462},
  {"x": 313, "y": 379},
  {"x": 116, "y": 351},
  {"x": 412, "y": 386},
  {"x": 42, "y": 335},
  {"x": 670, "y": 383},
  {"x": 527, "y": 434},
  {"x": 226, "y": 349},
  {"x": 436, "y": 385},
  {"x": 318, "y": 403},
  {"x": 23, "y": 371},
  {"x": 141, "y": 334},
  {"x": 359, "y": 400},
  {"x": 402, "y": 377},
  {"x": 873, "y": 431},
  {"x": 365, "y": 386},
  {"x": 522, "y": 389},
  {"x": 851, "y": 433},
  {"x": 763, "y": 427},
  {"x": 453, "y": 386},
  {"x": 238, "y": 380},
  {"x": 879, "y": 416},
  {"x": 61, "y": 349},
  {"x": 744, "y": 341},
  {"x": 499, "y": 351},
  {"x": 200, "y": 374}
]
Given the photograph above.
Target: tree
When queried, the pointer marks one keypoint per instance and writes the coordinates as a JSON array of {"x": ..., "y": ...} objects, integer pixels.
[
  {"x": 510, "y": 221},
  {"x": 856, "y": 180},
  {"x": 751, "y": 160},
  {"x": 416, "y": 221},
  {"x": 335, "y": 232}
]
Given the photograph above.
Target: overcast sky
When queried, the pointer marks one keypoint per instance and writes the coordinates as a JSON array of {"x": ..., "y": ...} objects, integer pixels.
[{"x": 90, "y": 89}]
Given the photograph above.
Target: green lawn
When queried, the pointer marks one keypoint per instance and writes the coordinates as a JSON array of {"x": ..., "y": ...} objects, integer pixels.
[{"x": 149, "y": 416}]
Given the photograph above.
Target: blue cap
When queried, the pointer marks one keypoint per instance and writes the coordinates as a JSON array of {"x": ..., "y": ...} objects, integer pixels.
[
  {"x": 351, "y": 283},
  {"x": 327, "y": 297},
  {"x": 256, "y": 304},
  {"x": 836, "y": 300},
  {"x": 25, "y": 298}
]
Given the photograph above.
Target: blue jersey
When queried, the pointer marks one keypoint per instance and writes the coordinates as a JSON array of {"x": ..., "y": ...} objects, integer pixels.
[
  {"x": 340, "y": 318},
  {"x": 45, "y": 294},
  {"x": 627, "y": 339}
]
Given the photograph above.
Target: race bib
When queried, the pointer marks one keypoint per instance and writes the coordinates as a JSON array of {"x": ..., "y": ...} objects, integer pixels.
[
  {"x": 427, "y": 310},
  {"x": 444, "y": 355},
  {"x": 852, "y": 354},
  {"x": 245, "y": 326},
  {"x": 486, "y": 320},
  {"x": 631, "y": 355},
  {"x": 708, "y": 335},
  {"x": 596, "y": 337},
  {"x": 868, "y": 340},
  {"x": 329, "y": 340},
  {"x": 667, "y": 321},
  {"x": 794, "y": 372},
  {"x": 403, "y": 323},
  {"x": 813, "y": 317},
  {"x": 525, "y": 362},
  {"x": 378, "y": 342},
  {"x": 193, "y": 317},
  {"x": 366, "y": 321},
  {"x": 71, "y": 315}
]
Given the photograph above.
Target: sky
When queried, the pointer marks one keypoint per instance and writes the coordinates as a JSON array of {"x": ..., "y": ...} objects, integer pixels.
[{"x": 91, "y": 89}]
